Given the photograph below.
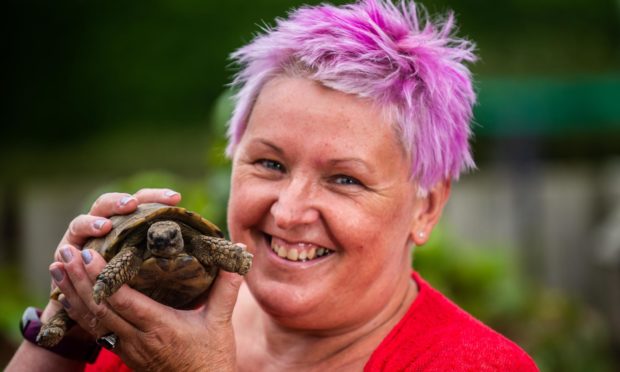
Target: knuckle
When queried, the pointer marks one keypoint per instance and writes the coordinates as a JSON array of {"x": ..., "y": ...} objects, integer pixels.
[
  {"x": 101, "y": 312},
  {"x": 105, "y": 201},
  {"x": 144, "y": 195},
  {"x": 75, "y": 273},
  {"x": 99, "y": 201},
  {"x": 73, "y": 227},
  {"x": 76, "y": 225},
  {"x": 84, "y": 317},
  {"x": 124, "y": 305},
  {"x": 141, "y": 192}
]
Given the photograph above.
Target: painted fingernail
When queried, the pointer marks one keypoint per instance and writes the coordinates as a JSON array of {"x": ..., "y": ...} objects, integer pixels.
[
  {"x": 87, "y": 256},
  {"x": 57, "y": 274},
  {"x": 66, "y": 254},
  {"x": 124, "y": 200},
  {"x": 170, "y": 193},
  {"x": 65, "y": 303},
  {"x": 99, "y": 224}
]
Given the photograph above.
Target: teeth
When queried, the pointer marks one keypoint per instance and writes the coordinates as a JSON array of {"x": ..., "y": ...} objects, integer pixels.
[
  {"x": 311, "y": 253},
  {"x": 294, "y": 254},
  {"x": 303, "y": 255}
]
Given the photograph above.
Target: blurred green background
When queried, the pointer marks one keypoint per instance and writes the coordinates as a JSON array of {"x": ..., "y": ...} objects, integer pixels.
[{"x": 113, "y": 95}]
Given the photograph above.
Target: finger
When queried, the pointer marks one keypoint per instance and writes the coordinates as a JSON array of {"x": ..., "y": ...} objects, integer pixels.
[
  {"x": 52, "y": 306},
  {"x": 113, "y": 203},
  {"x": 108, "y": 315},
  {"x": 165, "y": 196},
  {"x": 138, "y": 309},
  {"x": 72, "y": 303},
  {"x": 75, "y": 263},
  {"x": 82, "y": 228},
  {"x": 82, "y": 270},
  {"x": 223, "y": 297}
]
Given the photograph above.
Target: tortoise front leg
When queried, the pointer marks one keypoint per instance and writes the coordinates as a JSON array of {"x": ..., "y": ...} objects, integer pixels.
[
  {"x": 120, "y": 270},
  {"x": 54, "y": 330},
  {"x": 212, "y": 251}
]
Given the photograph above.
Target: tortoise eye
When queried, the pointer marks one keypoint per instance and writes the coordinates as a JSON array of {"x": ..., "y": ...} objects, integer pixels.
[{"x": 173, "y": 234}]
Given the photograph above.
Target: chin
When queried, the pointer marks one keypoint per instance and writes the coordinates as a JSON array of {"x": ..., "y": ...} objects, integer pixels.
[{"x": 291, "y": 304}]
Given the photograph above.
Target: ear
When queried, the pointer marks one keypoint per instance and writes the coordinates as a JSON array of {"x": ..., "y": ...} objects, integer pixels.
[{"x": 428, "y": 211}]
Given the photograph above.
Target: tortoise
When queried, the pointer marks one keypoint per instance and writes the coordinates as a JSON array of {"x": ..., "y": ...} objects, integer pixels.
[{"x": 168, "y": 253}]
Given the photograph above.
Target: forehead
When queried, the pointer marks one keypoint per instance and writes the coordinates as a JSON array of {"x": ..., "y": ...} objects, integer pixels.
[{"x": 299, "y": 110}]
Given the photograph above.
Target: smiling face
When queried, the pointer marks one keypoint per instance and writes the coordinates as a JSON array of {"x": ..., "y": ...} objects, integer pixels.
[{"x": 322, "y": 197}]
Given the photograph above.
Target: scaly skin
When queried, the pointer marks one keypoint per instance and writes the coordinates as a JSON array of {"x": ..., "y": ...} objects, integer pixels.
[
  {"x": 212, "y": 251},
  {"x": 120, "y": 270},
  {"x": 55, "y": 329}
]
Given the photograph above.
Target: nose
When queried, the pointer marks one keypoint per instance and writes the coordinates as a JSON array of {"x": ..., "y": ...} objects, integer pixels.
[
  {"x": 160, "y": 242},
  {"x": 294, "y": 205}
]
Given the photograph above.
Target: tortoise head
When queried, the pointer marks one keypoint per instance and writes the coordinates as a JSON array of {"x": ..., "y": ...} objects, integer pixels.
[{"x": 164, "y": 239}]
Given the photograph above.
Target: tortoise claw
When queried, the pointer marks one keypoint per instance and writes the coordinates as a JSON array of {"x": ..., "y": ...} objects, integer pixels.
[
  {"x": 50, "y": 336},
  {"x": 245, "y": 262},
  {"x": 99, "y": 292}
]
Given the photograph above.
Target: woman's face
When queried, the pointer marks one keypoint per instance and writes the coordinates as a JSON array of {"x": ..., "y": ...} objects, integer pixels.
[{"x": 321, "y": 195}]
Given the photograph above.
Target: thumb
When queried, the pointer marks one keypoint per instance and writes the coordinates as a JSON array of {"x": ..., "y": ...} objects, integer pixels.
[{"x": 223, "y": 296}]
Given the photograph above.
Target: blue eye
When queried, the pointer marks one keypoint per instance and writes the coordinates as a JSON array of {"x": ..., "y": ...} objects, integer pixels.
[
  {"x": 346, "y": 180},
  {"x": 271, "y": 164}
]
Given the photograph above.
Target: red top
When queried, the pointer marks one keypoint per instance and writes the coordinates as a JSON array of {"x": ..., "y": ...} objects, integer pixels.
[{"x": 434, "y": 335}]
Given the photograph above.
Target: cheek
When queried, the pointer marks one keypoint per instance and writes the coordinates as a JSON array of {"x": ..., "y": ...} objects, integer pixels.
[
  {"x": 247, "y": 206},
  {"x": 376, "y": 233}
]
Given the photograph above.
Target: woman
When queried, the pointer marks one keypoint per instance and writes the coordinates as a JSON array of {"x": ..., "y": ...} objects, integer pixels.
[{"x": 349, "y": 125}]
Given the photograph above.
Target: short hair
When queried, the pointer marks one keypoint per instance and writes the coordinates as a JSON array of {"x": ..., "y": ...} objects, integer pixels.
[{"x": 412, "y": 67}]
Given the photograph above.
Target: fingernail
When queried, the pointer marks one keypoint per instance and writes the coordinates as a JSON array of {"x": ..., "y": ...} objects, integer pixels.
[
  {"x": 66, "y": 254},
  {"x": 124, "y": 200},
  {"x": 65, "y": 303},
  {"x": 57, "y": 274},
  {"x": 170, "y": 193},
  {"x": 87, "y": 256},
  {"x": 99, "y": 224}
]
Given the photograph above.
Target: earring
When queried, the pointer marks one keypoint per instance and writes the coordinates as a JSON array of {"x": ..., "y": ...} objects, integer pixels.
[{"x": 421, "y": 234}]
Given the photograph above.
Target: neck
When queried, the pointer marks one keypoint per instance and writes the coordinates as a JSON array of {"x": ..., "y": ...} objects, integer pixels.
[{"x": 280, "y": 348}]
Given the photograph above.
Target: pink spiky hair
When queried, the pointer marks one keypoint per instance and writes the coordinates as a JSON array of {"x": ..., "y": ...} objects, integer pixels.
[{"x": 412, "y": 68}]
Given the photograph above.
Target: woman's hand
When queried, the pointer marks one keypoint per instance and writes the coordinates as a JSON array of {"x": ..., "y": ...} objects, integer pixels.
[
  {"x": 150, "y": 335},
  {"x": 96, "y": 224}
]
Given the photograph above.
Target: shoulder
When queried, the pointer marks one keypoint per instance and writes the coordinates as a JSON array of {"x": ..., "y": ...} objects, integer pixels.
[
  {"x": 436, "y": 334},
  {"x": 470, "y": 345}
]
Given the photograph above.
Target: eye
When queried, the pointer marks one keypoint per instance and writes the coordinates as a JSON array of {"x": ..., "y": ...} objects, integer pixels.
[
  {"x": 173, "y": 234},
  {"x": 342, "y": 179},
  {"x": 271, "y": 164}
]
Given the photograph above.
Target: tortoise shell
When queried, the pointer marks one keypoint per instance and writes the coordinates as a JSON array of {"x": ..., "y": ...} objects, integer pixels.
[{"x": 176, "y": 281}]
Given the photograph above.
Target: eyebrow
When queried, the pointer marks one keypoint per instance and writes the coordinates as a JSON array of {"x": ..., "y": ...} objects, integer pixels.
[
  {"x": 357, "y": 161},
  {"x": 331, "y": 162},
  {"x": 271, "y": 145}
]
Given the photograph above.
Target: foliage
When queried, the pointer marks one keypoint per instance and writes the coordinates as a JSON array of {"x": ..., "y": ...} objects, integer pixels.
[
  {"x": 14, "y": 300},
  {"x": 560, "y": 333},
  {"x": 207, "y": 195}
]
